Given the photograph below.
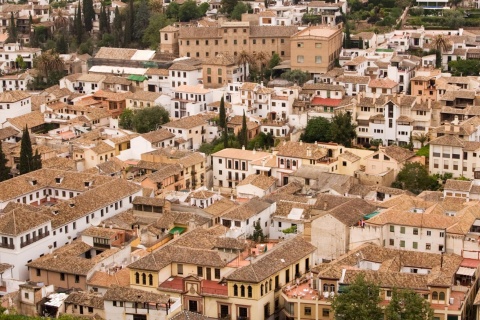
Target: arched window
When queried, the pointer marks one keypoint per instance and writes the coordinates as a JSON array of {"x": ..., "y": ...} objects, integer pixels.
[
  {"x": 294, "y": 163},
  {"x": 270, "y": 285},
  {"x": 261, "y": 290},
  {"x": 150, "y": 280},
  {"x": 282, "y": 161},
  {"x": 325, "y": 288},
  {"x": 288, "y": 164},
  {"x": 266, "y": 286},
  {"x": 250, "y": 294},
  {"x": 101, "y": 157},
  {"x": 144, "y": 278},
  {"x": 441, "y": 296},
  {"x": 332, "y": 288},
  {"x": 235, "y": 290},
  {"x": 435, "y": 295},
  {"x": 137, "y": 277},
  {"x": 242, "y": 290}
]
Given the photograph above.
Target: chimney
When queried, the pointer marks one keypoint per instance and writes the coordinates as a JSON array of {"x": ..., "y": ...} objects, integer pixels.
[
  {"x": 301, "y": 142},
  {"x": 325, "y": 205},
  {"x": 447, "y": 127},
  {"x": 243, "y": 147}
]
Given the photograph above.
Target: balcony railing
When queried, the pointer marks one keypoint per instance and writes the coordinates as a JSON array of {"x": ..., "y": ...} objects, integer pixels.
[
  {"x": 7, "y": 246},
  {"x": 243, "y": 318},
  {"x": 101, "y": 245},
  {"x": 34, "y": 239},
  {"x": 222, "y": 316}
]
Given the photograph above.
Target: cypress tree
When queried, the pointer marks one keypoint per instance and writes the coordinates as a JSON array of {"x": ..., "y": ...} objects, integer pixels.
[
  {"x": 127, "y": 39},
  {"x": 243, "y": 134},
  {"x": 78, "y": 24},
  {"x": 103, "y": 20},
  {"x": 37, "y": 161},
  {"x": 12, "y": 30},
  {"x": 88, "y": 14},
  {"x": 117, "y": 28},
  {"x": 348, "y": 39},
  {"x": 4, "y": 170},
  {"x": 26, "y": 153},
  {"x": 223, "y": 122}
]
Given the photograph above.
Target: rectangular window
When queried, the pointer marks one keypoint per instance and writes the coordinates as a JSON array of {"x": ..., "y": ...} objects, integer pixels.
[
  {"x": 307, "y": 311},
  {"x": 217, "y": 273},
  {"x": 402, "y": 243},
  {"x": 318, "y": 59},
  {"x": 77, "y": 278},
  {"x": 429, "y": 233},
  {"x": 402, "y": 229},
  {"x": 392, "y": 242},
  {"x": 392, "y": 228},
  {"x": 326, "y": 313},
  {"x": 415, "y": 231},
  {"x": 180, "y": 268},
  {"x": 428, "y": 246},
  {"x": 300, "y": 59},
  {"x": 200, "y": 271},
  {"x": 415, "y": 245}
]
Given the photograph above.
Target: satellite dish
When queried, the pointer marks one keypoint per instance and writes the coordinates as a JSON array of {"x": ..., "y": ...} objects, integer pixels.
[{"x": 96, "y": 221}]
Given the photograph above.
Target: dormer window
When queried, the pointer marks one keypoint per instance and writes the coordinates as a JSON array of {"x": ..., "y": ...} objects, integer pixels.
[
  {"x": 55, "y": 212},
  {"x": 58, "y": 180},
  {"x": 33, "y": 182},
  {"x": 88, "y": 184}
]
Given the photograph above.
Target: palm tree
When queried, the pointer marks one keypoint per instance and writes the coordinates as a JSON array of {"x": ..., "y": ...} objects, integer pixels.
[
  {"x": 421, "y": 137},
  {"x": 47, "y": 62},
  {"x": 440, "y": 43},
  {"x": 244, "y": 58},
  {"x": 261, "y": 58},
  {"x": 61, "y": 21}
]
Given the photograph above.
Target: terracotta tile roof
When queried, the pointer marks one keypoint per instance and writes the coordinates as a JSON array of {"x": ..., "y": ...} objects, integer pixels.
[
  {"x": 349, "y": 156},
  {"x": 383, "y": 83},
  {"x": 247, "y": 210},
  {"x": 8, "y": 132},
  {"x": 18, "y": 219},
  {"x": 403, "y": 218},
  {"x": 92, "y": 200},
  {"x": 157, "y": 72},
  {"x": 260, "y": 181},
  {"x": 158, "y": 135},
  {"x": 144, "y": 95},
  {"x": 312, "y": 87},
  {"x": 279, "y": 257},
  {"x": 115, "y": 53},
  {"x": 353, "y": 79},
  {"x": 458, "y": 185},
  {"x": 32, "y": 119},
  {"x": 202, "y": 194},
  {"x": 67, "y": 259},
  {"x": 219, "y": 207},
  {"x": 189, "y": 315},
  {"x": 222, "y": 59},
  {"x": 134, "y": 295},
  {"x": 111, "y": 166},
  {"x": 272, "y": 31},
  {"x": 164, "y": 171},
  {"x": 99, "y": 232},
  {"x": 13, "y": 96},
  {"x": 451, "y": 95},
  {"x": 187, "y": 122},
  {"x": 102, "y": 279},
  {"x": 328, "y": 102},
  {"x": 85, "y": 299},
  {"x": 109, "y": 79},
  {"x": 301, "y": 150},
  {"x": 102, "y": 147},
  {"x": 398, "y": 153}
]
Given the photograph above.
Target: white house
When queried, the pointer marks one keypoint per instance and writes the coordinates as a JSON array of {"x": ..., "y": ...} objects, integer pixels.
[
  {"x": 13, "y": 104},
  {"x": 256, "y": 185}
]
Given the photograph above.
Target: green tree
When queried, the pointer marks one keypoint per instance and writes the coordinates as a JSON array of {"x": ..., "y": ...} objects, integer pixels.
[
  {"x": 468, "y": 67},
  {"x": 347, "y": 38},
  {"x": 126, "y": 119},
  {"x": 117, "y": 28},
  {"x": 148, "y": 119},
  {"x": 375, "y": 143},
  {"x": 150, "y": 36},
  {"x": 203, "y": 8},
  {"x": 317, "y": 129},
  {"x": 222, "y": 121},
  {"x": 261, "y": 140},
  {"x": 4, "y": 170},
  {"x": 141, "y": 22},
  {"x": 342, "y": 130},
  {"x": 239, "y": 9},
  {"x": 129, "y": 22},
  {"x": 12, "y": 30},
  {"x": 78, "y": 24},
  {"x": 20, "y": 62},
  {"x": 258, "y": 232},
  {"x": 297, "y": 76},
  {"x": 408, "y": 305},
  {"x": 228, "y": 6},
  {"x": 414, "y": 178},
  {"x": 360, "y": 43},
  {"x": 440, "y": 44},
  {"x": 173, "y": 11},
  {"x": 244, "y": 58},
  {"x": 274, "y": 61},
  {"x": 61, "y": 45},
  {"x": 421, "y": 137},
  {"x": 359, "y": 301},
  {"x": 104, "y": 23},
  {"x": 88, "y": 15},
  {"x": 37, "y": 161},
  {"x": 26, "y": 153},
  {"x": 50, "y": 67},
  {"x": 188, "y": 11},
  {"x": 243, "y": 134}
]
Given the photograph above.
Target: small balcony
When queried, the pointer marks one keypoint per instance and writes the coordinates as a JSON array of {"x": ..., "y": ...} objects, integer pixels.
[
  {"x": 7, "y": 246},
  {"x": 222, "y": 316},
  {"x": 243, "y": 318},
  {"x": 34, "y": 239}
]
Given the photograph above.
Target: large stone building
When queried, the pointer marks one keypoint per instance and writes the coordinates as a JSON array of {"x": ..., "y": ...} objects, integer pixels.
[
  {"x": 229, "y": 37},
  {"x": 315, "y": 48}
]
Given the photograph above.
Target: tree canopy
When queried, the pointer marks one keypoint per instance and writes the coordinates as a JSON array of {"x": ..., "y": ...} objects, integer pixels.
[
  {"x": 359, "y": 301},
  {"x": 297, "y": 76},
  {"x": 27, "y": 162},
  {"x": 342, "y": 129},
  {"x": 318, "y": 129},
  {"x": 4, "y": 169},
  {"x": 414, "y": 177},
  {"x": 408, "y": 305},
  {"x": 143, "y": 120},
  {"x": 468, "y": 67}
]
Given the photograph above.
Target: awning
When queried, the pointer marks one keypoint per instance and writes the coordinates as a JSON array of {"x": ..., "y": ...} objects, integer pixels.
[
  {"x": 371, "y": 215},
  {"x": 465, "y": 271},
  {"x": 136, "y": 77},
  {"x": 176, "y": 230}
]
